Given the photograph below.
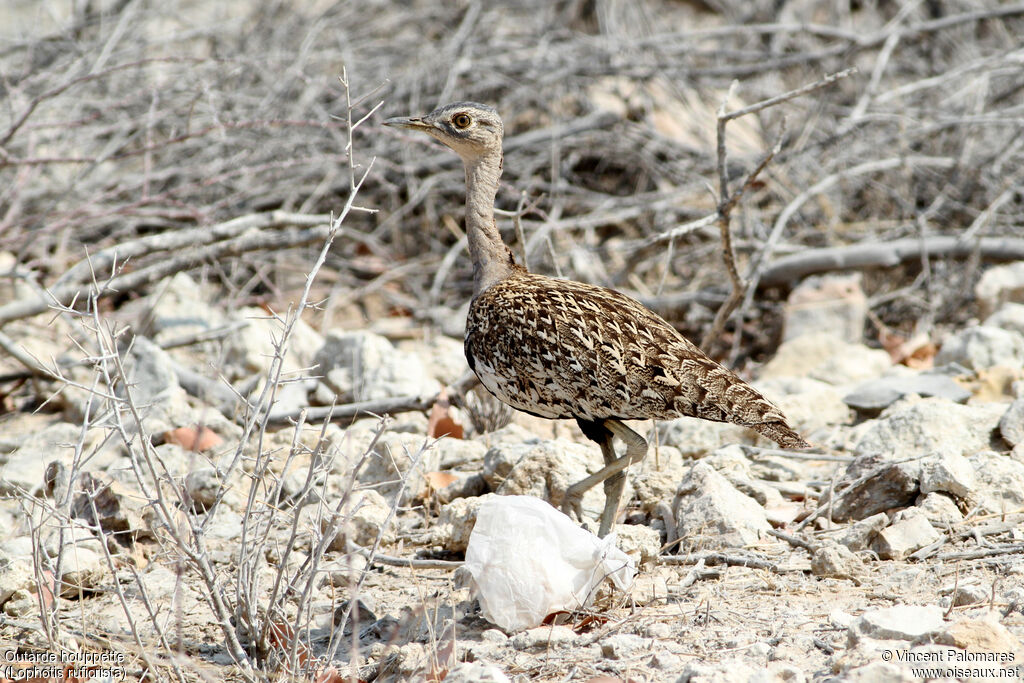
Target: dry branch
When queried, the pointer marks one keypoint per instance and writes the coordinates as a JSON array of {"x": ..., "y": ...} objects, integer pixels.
[
  {"x": 156, "y": 165},
  {"x": 167, "y": 151},
  {"x": 713, "y": 558},
  {"x": 348, "y": 411},
  {"x": 409, "y": 562},
  {"x": 888, "y": 254},
  {"x": 67, "y": 295},
  {"x": 102, "y": 261},
  {"x": 728, "y": 200},
  {"x": 983, "y": 552}
]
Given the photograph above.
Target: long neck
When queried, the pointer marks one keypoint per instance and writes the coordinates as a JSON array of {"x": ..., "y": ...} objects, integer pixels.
[{"x": 492, "y": 260}]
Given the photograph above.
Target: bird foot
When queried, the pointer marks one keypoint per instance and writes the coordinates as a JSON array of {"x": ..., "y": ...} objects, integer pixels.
[{"x": 572, "y": 505}]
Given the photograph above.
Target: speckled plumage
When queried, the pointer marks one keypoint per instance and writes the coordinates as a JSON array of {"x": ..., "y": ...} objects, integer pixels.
[{"x": 564, "y": 349}]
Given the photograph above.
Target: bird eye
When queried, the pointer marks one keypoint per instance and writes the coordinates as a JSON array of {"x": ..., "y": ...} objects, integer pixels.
[{"x": 462, "y": 120}]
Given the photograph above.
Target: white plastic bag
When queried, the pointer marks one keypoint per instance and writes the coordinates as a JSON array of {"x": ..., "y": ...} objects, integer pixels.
[{"x": 528, "y": 560}]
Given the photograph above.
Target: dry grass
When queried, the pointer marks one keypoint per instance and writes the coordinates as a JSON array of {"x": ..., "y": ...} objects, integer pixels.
[
  {"x": 144, "y": 119},
  {"x": 138, "y": 139}
]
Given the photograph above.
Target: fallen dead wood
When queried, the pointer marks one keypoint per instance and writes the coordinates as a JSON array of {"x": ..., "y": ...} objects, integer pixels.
[
  {"x": 888, "y": 254},
  {"x": 713, "y": 558},
  {"x": 102, "y": 261},
  {"x": 983, "y": 552},
  {"x": 410, "y": 562},
  {"x": 69, "y": 294},
  {"x": 385, "y": 406}
]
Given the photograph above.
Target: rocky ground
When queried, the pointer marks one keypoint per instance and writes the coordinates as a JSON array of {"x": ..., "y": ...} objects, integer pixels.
[
  {"x": 148, "y": 511},
  {"x": 196, "y": 482}
]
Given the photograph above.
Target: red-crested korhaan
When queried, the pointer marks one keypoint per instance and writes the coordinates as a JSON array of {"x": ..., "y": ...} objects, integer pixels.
[{"x": 563, "y": 349}]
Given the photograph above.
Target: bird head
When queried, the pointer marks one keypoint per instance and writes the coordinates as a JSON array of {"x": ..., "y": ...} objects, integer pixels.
[{"x": 470, "y": 129}]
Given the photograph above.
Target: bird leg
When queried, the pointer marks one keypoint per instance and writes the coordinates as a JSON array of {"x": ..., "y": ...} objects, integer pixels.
[
  {"x": 613, "y": 487},
  {"x": 613, "y": 473}
]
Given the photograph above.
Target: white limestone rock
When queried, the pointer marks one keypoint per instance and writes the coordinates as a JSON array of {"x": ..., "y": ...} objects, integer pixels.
[
  {"x": 948, "y": 473},
  {"x": 982, "y": 347},
  {"x": 909, "y": 532},
  {"x": 900, "y": 622},
  {"x": 932, "y": 425},
  {"x": 545, "y": 469},
  {"x": 1000, "y": 284},
  {"x": 1000, "y": 482},
  {"x": 362, "y": 366},
  {"x": 827, "y": 358},
  {"x": 712, "y": 513}
]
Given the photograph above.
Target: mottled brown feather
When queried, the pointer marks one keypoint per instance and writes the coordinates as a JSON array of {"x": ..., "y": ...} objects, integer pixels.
[{"x": 564, "y": 349}]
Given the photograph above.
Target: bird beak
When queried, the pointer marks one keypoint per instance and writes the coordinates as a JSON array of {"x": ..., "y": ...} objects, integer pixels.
[{"x": 410, "y": 122}]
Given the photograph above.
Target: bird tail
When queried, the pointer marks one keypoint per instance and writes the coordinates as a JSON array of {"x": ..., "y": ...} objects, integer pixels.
[{"x": 782, "y": 434}]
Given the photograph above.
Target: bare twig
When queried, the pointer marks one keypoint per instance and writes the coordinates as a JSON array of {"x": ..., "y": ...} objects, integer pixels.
[
  {"x": 713, "y": 558},
  {"x": 786, "y": 96},
  {"x": 390, "y": 406},
  {"x": 411, "y": 562},
  {"x": 66, "y": 295},
  {"x": 794, "y": 541},
  {"x": 984, "y": 552},
  {"x": 182, "y": 239},
  {"x": 887, "y": 255},
  {"x": 727, "y": 201},
  {"x": 739, "y": 285},
  {"x": 33, "y": 366}
]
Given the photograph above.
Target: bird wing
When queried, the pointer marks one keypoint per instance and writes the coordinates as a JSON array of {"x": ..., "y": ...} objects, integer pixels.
[{"x": 559, "y": 348}]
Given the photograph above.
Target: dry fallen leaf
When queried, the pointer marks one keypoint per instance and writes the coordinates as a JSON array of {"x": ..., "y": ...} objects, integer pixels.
[
  {"x": 194, "y": 438},
  {"x": 438, "y": 480},
  {"x": 918, "y": 352},
  {"x": 441, "y": 422},
  {"x": 332, "y": 675}
]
